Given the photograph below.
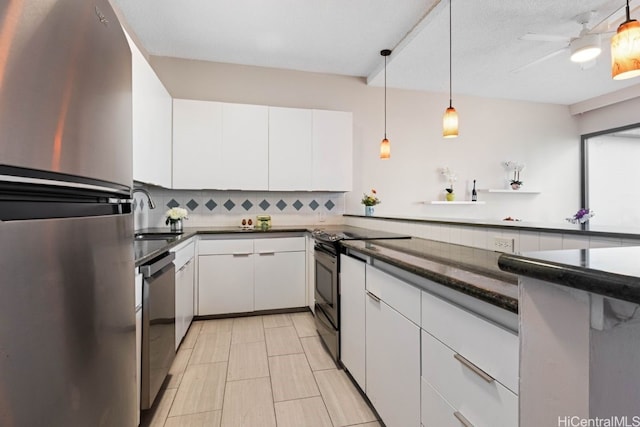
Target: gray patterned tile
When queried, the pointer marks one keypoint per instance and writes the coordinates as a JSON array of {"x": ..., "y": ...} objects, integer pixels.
[
  {"x": 192, "y": 205},
  {"x": 229, "y": 205},
  {"x": 211, "y": 205},
  {"x": 247, "y": 205},
  {"x": 329, "y": 205},
  {"x": 314, "y": 205},
  {"x": 141, "y": 205},
  {"x": 281, "y": 204},
  {"x": 264, "y": 205},
  {"x": 173, "y": 204},
  {"x": 135, "y": 204},
  {"x": 298, "y": 205}
]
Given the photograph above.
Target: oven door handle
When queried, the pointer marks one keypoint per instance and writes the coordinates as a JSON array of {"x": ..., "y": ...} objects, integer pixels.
[
  {"x": 324, "y": 319},
  {"x": 324, "y": 251}
]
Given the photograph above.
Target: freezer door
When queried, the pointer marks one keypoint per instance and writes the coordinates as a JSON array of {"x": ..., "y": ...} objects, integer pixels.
[
  {"x": 67, "y": 334},
  {"x": 65, "y": 89}
]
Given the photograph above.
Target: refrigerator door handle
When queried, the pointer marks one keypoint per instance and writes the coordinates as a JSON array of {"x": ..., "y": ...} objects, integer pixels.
[{"x": 56, "y": 183}]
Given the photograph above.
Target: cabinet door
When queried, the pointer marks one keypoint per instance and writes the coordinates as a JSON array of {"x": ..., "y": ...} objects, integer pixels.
[
  {"x": 151, "y": 115},
  {"x": 289, "y": 149},
  {"x": 332, "y": 149},
  {"x": 225, "y": 284},
  {"x": 197, "y": 144},
  {"x": 393, "y": 365},
  {"x": 184, "y": 299},
  {"x": 245, "y": 147},
  {"x": 352, "y": 317},
  {"x": 190, "y": 278},
  {"x": 280, "y": 280}
]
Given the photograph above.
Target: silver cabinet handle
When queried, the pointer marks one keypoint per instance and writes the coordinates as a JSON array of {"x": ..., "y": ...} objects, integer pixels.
[
  {"x": 465, "y": 422},
  {"x": 185, "y": 265},
  {"x": 266, "y": 253},
  {"x": 373, "y": 296},
  {"x": 242, "y": 254},
  {"x": 482, "y": 374}
]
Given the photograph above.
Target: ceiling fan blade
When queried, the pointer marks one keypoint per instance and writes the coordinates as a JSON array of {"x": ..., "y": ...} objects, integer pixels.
[
  {"x": 539, "y": 60},
  {"x": 545, "y": 38}
]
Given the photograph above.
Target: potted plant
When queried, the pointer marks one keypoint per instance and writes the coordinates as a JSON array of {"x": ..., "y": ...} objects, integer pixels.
[
  {"x": 369, "y": 201},
  {"x": 451, "y": 177},
  {"x": 582, "y": 216},
  {"x": 516, "y": 168},
  {"x": 175, "y": 217}
]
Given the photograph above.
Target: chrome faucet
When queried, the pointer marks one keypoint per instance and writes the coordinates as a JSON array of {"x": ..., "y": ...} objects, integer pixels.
[{"x": 152, "y": 205}]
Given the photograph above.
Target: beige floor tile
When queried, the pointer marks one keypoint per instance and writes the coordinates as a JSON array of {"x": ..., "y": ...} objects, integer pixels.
[
  {"x": 317, "y": 356},
  {"x": 304, "y": 324},
  {"x": 309, "y": 412},
  {"x": 282, "y": 341},
  {"x": 291, "y": 377},
  {"x": 203, "y": 419},
  {"x": 158, "y": 414},
  {"x": 178, "y": 366},
  {"x": 217, "y": 325},
  {"x": 345, "y": 405},
  {"x": 211, "y": 348},
  {"x": 247, "y": 329},
  {"x": 192, "y": 334},
  {"x": 276, "y": 320},
  {"x": 248, "y": 360},
  {"x": 248, "y": 403},
  {"x": 201, "y": 389}
]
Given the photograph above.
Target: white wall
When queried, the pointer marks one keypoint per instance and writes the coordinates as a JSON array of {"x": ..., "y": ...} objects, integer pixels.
[
  {"x": 543, "y": 136},
  {"x": 610, "y": 117}
]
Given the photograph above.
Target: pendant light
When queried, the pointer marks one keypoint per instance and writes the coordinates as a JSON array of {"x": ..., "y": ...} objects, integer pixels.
[
  {"x": 385, "y": 146},
  {"x": 625, "y": 49},
  {"x": 450, "y": 120}
]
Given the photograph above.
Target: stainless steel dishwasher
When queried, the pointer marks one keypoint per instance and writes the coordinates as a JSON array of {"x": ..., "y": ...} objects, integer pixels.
[{"x": 158, "y": 325}]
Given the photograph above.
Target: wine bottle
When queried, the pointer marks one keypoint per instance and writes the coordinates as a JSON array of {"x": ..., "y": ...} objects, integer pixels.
[{"x": 474, "y": 193}]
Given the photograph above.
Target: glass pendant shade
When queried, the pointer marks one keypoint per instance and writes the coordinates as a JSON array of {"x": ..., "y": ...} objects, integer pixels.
[
  {"x": 625, "y": 51},
  {"x": 385, "y": 149},
  {"x": 450, "y": 123}
]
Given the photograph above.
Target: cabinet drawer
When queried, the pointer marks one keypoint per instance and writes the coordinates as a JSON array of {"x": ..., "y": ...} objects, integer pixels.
[
  {"x": 226, "y": 247},
  {"x": 402, "y": 296},
  {"x": 184, "y": 254},
  {"x": 483, "y": 401},
  {"x": 435, "y": 411},
  {"x": 490, "y": 347},
  {"x": 282, "y": 244}
]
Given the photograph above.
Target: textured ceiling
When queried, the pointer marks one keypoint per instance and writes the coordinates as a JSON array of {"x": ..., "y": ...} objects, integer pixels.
[{"x": 345, "y": 37}]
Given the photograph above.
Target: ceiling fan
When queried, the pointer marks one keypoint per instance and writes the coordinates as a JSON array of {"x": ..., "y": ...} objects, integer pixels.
[{"x": 584, "y": 48}]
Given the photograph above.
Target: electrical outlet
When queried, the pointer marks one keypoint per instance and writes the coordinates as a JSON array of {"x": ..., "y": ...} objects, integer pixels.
[{"x": 502, "y": 244}]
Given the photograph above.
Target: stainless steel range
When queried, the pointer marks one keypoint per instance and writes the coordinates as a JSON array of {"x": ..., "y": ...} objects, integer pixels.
[{"x": 327, "y": 250}]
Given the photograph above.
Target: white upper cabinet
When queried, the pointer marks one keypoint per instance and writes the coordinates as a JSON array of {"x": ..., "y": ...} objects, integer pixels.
[
  {"x": 332, "y": 165},
  {"x": 197, "y": 144},
  {"x": 151, "y": 123},
  {"x": 245, "y": 147},
  {"x": 290, "y": 131}
]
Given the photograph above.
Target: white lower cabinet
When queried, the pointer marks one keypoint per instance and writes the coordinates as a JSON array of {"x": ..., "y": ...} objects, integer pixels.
[
  {"x": 244, "y": 275},
  {"x": 469, "y": 391},
  {"x": 185, "y": 283},
  {"x": 138, "y": 311},
  {"x": 392, "y": 362},
  {"x": 352, "y": 317}
]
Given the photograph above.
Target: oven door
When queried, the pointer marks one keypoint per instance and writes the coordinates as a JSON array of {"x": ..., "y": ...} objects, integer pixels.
[{"x": 326, "y": 282}]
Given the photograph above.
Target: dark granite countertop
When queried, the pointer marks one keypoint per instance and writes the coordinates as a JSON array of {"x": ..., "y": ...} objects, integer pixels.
[
  {"x": 468, "y": 270},
  {"x": 612, "y": 272},
  {"x": 146, "y": 250}
]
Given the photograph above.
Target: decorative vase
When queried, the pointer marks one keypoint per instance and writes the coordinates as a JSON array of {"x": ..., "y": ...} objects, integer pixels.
[
  {"x": 450, "y": 197},
  {"x": 176, "y": 225},
  {"x": 368, "y": 210},
  {"x": 515, "y": 186}
]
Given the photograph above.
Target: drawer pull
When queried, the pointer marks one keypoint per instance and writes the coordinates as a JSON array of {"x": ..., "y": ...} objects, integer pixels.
[
  {"x": 482, "y": 374},
  {"x": 465, "y": 422},
  {"x": 242, "y": 254},
  {"x": 266, "y": 253},
  {"x": 373, "y": 296}
]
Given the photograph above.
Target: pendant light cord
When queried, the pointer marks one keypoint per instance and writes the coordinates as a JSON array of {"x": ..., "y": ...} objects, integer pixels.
[
  {"x": 450, "y": 48},
  {"x": 628, "y": 13},
  {"x": 385, "y": 97}
]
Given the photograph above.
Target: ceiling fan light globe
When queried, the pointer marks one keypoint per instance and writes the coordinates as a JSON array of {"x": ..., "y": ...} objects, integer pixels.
[
  {"x": 625, "y": 51},
  {"x": 585, "y": 48}
]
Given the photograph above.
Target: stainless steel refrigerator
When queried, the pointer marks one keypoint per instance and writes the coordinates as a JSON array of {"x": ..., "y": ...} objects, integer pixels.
[{"x": 67, "y": 326}]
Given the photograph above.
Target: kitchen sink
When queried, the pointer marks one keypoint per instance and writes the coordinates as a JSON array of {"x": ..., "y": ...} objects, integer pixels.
[{"x": 156, "y": 236}]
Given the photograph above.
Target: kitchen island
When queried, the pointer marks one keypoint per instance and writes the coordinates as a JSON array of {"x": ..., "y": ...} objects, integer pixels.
[{"x": 579, "y": 335}]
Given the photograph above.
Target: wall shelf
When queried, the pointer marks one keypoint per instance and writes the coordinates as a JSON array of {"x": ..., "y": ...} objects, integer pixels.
[
  {"x": 503, "y": 190},
  {"x": 464, "y": 202}
]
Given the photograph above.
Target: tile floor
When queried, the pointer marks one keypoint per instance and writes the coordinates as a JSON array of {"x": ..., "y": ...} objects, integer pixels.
[{"x": 259, "y": 371}]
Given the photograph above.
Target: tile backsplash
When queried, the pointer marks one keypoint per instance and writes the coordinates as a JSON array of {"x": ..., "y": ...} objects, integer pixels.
[{"x": 221, "y": 208}]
